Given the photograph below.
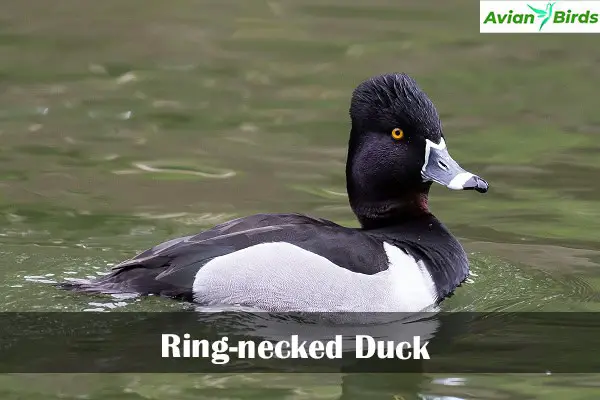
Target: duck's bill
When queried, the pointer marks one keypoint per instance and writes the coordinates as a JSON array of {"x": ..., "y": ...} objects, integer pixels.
[{"x": 441, "y": 168}]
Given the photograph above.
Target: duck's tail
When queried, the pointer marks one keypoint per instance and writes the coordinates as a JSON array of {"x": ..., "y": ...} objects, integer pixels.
[
  {"x": 98, "y": 286},
  {"x": 117, "y": 283}
]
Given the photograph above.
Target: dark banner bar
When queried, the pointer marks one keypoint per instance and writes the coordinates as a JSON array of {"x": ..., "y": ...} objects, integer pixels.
[{"x": 261, "y": 342}]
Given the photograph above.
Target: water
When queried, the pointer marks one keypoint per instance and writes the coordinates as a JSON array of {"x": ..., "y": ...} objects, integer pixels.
[{"x": 123, "y": 124}]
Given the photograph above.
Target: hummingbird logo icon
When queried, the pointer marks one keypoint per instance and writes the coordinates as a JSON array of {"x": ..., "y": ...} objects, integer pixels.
[{"x": 545, "y": 15}]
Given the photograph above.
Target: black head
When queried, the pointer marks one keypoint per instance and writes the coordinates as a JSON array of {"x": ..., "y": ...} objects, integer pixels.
[{"x": 396, "y": 150}]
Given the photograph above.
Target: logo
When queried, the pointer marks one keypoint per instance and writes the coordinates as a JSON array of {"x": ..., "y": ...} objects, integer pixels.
[
  {"x": 544, "y": 14},
  {"x": 539, "y": 16}
]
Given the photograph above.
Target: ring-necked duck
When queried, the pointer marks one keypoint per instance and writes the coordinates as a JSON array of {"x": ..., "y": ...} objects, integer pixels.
[{"x": 401, "y": 259}]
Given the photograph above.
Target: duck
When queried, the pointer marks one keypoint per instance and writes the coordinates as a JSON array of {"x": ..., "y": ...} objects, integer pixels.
[{"x": 400, "y": 259}]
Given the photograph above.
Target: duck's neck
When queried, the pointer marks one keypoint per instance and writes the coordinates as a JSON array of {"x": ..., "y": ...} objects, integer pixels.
[{"x": 387, "y": 213}]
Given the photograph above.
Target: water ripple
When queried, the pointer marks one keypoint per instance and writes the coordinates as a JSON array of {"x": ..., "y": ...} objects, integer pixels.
[{"x": 155, "y": 168}]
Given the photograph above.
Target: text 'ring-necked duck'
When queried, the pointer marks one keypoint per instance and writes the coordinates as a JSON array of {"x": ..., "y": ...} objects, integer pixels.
[{"x": 400, "y": 259}]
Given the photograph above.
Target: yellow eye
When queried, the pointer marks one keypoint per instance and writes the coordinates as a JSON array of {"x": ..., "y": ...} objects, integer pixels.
[{"x": 397, "y": 133}]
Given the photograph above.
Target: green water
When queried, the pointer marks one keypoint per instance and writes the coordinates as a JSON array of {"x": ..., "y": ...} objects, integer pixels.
[{"x": 124, "y": 123}]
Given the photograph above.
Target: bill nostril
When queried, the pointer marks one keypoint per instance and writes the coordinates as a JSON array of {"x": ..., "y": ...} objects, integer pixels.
[{"x": 443, "y": 165}]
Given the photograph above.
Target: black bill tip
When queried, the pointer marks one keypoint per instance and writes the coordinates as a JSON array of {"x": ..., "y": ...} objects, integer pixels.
[{"x": 476, "y": 183}]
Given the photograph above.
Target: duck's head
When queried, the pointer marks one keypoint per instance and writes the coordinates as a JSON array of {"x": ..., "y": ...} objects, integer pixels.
[{"x": 396, "y": 150}]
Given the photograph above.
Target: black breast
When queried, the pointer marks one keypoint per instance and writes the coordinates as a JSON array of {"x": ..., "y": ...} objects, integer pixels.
[{"x": 427, "y": 239}]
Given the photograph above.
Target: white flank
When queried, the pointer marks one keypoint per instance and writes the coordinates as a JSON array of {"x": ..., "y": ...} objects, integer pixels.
[{"x": 280, "y": 276}]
